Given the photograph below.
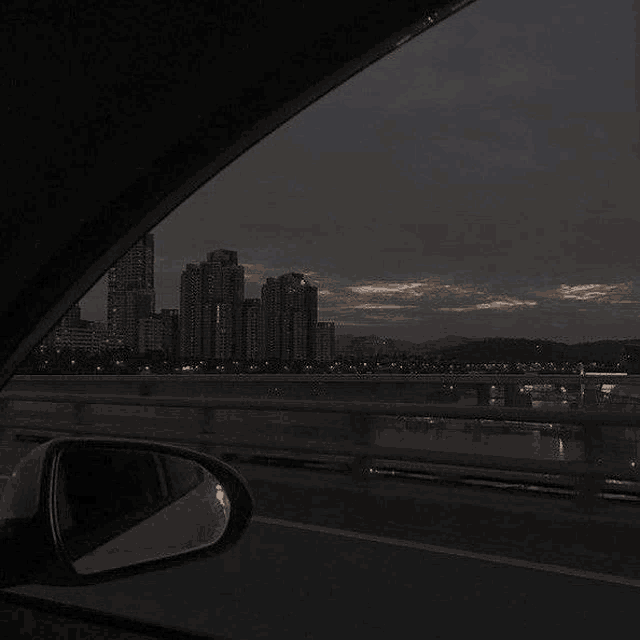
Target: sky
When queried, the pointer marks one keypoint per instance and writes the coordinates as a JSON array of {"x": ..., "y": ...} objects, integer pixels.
[{"x": 479, "y": 181}]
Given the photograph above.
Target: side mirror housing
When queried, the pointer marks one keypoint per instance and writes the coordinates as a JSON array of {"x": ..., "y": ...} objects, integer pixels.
[{"x": 79, "y": 511}]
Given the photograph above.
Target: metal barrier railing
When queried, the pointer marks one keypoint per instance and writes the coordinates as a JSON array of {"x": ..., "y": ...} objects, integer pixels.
[
  {"x": 591, "y": 477},
  {"x": 578, "y": 416}
]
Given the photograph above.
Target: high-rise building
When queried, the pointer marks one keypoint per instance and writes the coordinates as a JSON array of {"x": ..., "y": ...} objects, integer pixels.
[
  {"x": 325, "y": 342},
  {"x": 150, "y": 334},
  {"x": 252, "y": 343},
  {"x": 191, "y": 302},
  {"x": 72, "y": 317},
  {"x": 72, "y": 332},
  {"x": 170, "y": 332},
  {"x": 211, "y": 296},
  {"x": 159, "y": 332},
  {"x": 130, "y": 293},
  {"x": 290, "y": 315}
]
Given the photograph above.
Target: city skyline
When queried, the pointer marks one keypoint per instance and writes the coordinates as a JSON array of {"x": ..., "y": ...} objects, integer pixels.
[
  {"x": 217, "y": 322},
  {"x": 479, "y": 182},
  {"x": 214, "y": 322}
]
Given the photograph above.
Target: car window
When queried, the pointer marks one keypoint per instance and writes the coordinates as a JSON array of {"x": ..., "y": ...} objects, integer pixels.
[
  {"x": 460, "y": 188},
  {"x": 465, "y": 205}
]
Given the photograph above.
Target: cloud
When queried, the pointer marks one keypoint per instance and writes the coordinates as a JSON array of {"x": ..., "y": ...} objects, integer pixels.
[
  {"x": 612, "y": 293},
  {"x": 385, "y": 306},
  {"x": 385, "y": 300},
  {"x": 585, "y": 291},
  {"x": 504, "y": 304},
  {"x": 425, "y": 287},
  {"x": 389, "y": 288}
]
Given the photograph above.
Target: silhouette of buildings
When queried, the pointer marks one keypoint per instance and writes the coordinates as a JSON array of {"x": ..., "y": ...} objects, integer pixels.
[
  {"x": 150, "y": 331},
  {"x": 170, "y": 333},
  {"x": 214, "y": 321},
  {"x": 211, "y": 297},
  {"x": 72, "y": 332},
  {"x": 252, "y": 339},
  {"x": 130, "y": 294},
  {"x": 325, "y": 342},
  {"x": 290, "y": 315},
  {"x": 159, "y": 333}
]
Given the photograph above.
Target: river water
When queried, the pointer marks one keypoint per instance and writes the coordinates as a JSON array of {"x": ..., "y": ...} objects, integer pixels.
[{"x": 619, "y": 448}]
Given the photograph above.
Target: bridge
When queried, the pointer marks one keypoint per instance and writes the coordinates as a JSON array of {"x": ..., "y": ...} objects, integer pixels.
[
  {"x": 393, "y": 387},
  {"x": 343, "y": 416}
]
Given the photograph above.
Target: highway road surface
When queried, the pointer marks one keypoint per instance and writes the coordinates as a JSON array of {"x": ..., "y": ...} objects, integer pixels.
[{"x": 325, "y": 559}]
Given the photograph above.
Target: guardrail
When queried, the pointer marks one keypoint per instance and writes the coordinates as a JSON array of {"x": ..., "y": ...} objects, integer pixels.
[
  {"x": 580, "y": 416},
  {"x": 409, "y": 388},
  {"x": 362, "y": 435},
  {"x": 463, "y": 378}
]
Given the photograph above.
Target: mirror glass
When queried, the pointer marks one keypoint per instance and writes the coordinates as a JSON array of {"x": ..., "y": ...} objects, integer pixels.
[{"x": 116, "y": 507}]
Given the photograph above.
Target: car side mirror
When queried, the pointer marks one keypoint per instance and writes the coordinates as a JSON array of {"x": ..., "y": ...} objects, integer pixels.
[{"x": 87, "y": 510}]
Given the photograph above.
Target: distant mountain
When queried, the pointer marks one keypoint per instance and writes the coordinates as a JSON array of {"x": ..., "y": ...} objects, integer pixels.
[
  {"x": 343, "y": 341},
  {"x": 347, "y": 338},
  {"x": 459, "y": 349},
  {"x": 447, "y": 342},
  {"x": 369, "y": 346},
  {"x": 525, "y": 350}
]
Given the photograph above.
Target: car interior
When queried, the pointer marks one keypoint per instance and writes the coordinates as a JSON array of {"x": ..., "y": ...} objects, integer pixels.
[{"x": 116, "y": 113}]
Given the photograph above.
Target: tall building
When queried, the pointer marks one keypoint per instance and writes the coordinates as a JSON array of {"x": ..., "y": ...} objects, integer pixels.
[
  {"x": 191, "y": 302},
  {"x": 325, "y": 350},
  {"x": 170, "y": 332},
  {"x": 160, "y": 332},
  {"x": 72, "y": 332},
  {"x": 72, "y": 317},
  {"x": 150, "y": 334},
  {"x": 211, "y": 297},
  {"x": 130, "y": 293},
  {"x": 290, "y": 315},
  {"x": 252, "y": 343}
]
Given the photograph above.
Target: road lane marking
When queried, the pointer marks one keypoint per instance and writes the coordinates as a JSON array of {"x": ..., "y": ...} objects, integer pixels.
[{"x": 421, "y": 546}]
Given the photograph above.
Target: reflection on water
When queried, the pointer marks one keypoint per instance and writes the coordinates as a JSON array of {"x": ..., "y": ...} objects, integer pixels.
[
  {"x": 517, "y": 440},
  {"x": 619, "y": 447},
  {"x": 536, "y": 443}
]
